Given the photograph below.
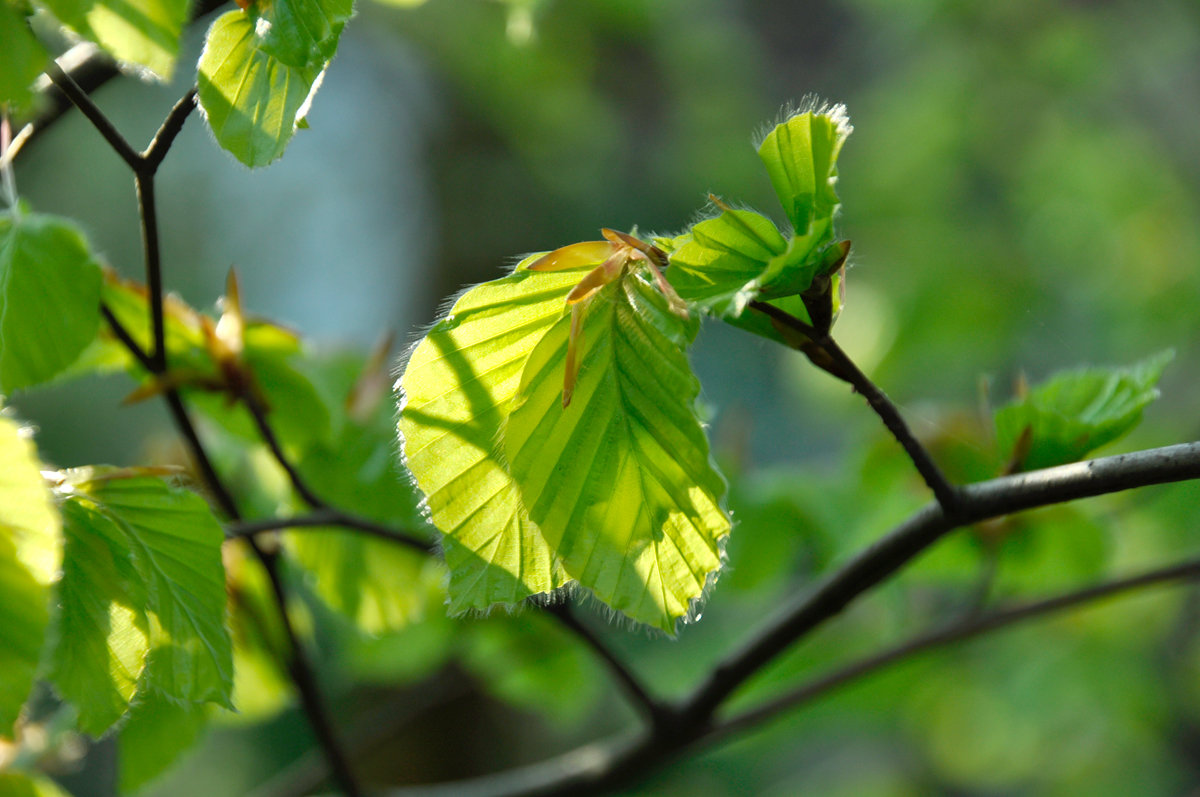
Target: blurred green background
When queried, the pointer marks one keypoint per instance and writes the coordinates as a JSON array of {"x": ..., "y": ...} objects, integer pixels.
[{"x": 1022, "y": 191}]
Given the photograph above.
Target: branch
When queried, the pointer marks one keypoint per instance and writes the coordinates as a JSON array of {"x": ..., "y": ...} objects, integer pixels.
[
  {"x": 957, "y": 632},
  {"x": 839, "y": 364},
  {"x": 977, "y": 502},
  {"x": 327, "y": 516},
  {"x": 80, "y": 99}
]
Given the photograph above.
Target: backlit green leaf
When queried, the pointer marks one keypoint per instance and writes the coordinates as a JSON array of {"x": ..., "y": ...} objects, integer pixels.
[
  {"x": 801, "y": 158},
  {"x": 22, "y": 58},
  {"x": 49, "y": 297},
  {"x": 174, "y": 543},
  {"x": 29, "y": 560},
  {"x": 719, "y": 267},
  {"x": 457, "y": 388},
  {"x": 24, "y": 784},
  {"x": 100, "y": 634},
  {"x": 252, "y": 100},
  {"x": 302, "y": 33},
  {"x": 620, "y": 482},
  {"x": 158, "y": 731},
  {"x": 141, "y": 32},
  {"x": 1076, "y": 412}
]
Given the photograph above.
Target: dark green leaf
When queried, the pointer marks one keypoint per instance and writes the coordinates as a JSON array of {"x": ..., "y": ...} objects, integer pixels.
[
  {"x": 49, "y": 297},
  {"x": 302, "y": 33},
  {"x": 158, "y": 731},
  {"x": 22, "y": 58}
]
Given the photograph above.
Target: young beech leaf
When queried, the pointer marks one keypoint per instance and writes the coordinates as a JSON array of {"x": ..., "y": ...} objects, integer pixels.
[
  {"x": 22, "y": 58},
  {"x": 29, "y": 561},
  {"x": 1076, "y": 412},
  {"x": 49, "y": 297},
  {"x": 144, "y": 33},
  {"x": 301, "y": 33},
  {"x": 457, "y": 387},
  {"x": 504, "y": 348},
  {"x": 174, "y": 595},
  {"x": 251, "y": 98},
  {"x": 620, "y": 482},
  {"x": 801, "y": 155}
]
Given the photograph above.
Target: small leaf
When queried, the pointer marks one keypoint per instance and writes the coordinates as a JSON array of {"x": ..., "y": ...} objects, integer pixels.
[
  {"x": 141, "y": 32},
  {"x": 24, "y": 784},
  {"x": 252, "y": 100},
  {"x": 29, "y": 561},
  {"x": 159, "y": 730},
  {"x": 49, "y": 297},
  {"x": 174, "y": 543},
  {"x": 302, "y": 33},
  {"x": 22, "y": 58},
  {"x": 457, "y": 386},
  {"x": 801, "y": 158},
  {"x": 1076, "y": 412},
  {"x": 620, "y": 483}
]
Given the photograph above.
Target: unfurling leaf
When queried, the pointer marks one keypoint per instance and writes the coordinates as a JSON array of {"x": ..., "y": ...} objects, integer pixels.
[
  {"x": 612, "y": 490},
  {"x": 1076, "y": 412}
]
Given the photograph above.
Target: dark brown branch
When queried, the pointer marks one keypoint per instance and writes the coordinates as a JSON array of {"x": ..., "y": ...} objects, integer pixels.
[
  {"x": 259, "y": 414},
  {"x": 958, "y": 632},
  {"x": 839, "y": 364},
  {"x": 328, "y": 516},
  {"x": 165, "y": 137},
  {"x": 977, "y": 502},
  {"x": 67, "y": 85},
  {"x": 122, "y": 334}
]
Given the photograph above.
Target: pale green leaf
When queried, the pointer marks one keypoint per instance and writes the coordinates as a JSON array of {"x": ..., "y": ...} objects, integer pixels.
[
  {"x": 302, "y": 33},
  {"x": 719, "y": 267},
  {"x": 620, "y": 482},
  {"x": 158, "y": 731},
  {"x": 801, "y": 158},
  {"x": 99, "y": 636},
  {"x": 25, "y": 784},
  {"x": 29, "y": 560},
  {"x": 22, "y": 58},
  {"x": 1076, "y": 412},
  {"x": 141, "y": 32},
  {"x": 49, "y": 297},
  {"x": 175, "y": 545},
  {"x": 251, "y": 99},
  {"x": 457, "y": 386}
]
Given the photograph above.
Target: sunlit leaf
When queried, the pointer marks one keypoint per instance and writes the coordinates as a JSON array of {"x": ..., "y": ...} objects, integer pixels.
[
  {"x": 22, "y": 58},
  {"x": 141, "y": 32},
  {"x": 302, "y": 33},
  {"x": 29, "y": 560},
  {"x": 251, "y": 99},
  {"x": 620, "y": 482},
  {"x": 100, "y": 635},
  {"x": 174, "y": 543},
  {"x": 49, "y": 297},
  {"x": 158, "y": 731},
  {"x": 25, "y": 784},
  {"x": 801, "y": 158},
  {"x": 457, "y": 386},
  {"x": 1076, "y": 412}
]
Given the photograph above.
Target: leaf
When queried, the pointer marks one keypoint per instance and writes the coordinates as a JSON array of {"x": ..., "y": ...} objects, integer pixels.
[
  {"x": 159, "y": 730},
  {"x": 302, "y": 33},
  {"x": 457, "y": 387},
  {"x": 49, "y": 297},
  {"x": 620, "y": 483},
  {"x": 1076, "y": 412},
  {"x": 251, "y": 99},
  {"x": 174, "y": 543},
  {"x": 801, "y": 158},
  {"x": 22, "y": 58},
  {"x": 29, "y": 560},
  {"x": 24, "y": 784},
  {"x": 99, "y": 635},
  {"x": 141, "y": 32}
]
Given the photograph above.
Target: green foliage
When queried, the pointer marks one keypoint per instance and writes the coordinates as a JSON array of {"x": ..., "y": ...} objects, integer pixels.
[
  {"x": 143, "y": 33},
  {"x": 252, "y": 99},
  {"x": 21, "y": 60},
  {"x": 29, "y": 557},
  {"x": 164, "y": 590},
  {"x": 1076, "y": 412},
  {"x": 158, "y": 730},
  {"x": 49, "y": 295}
]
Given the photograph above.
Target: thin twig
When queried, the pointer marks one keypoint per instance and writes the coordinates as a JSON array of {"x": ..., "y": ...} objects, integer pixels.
[
  {"x": 845, "y": 368},
  {"x": 328, "y": 516},
  {"x": 653, "y": 711},
  {"x": 259, "y": 414},
  {"x": 154, "y": 281},
  {"x": 958, "y": 632},
  {"x": 84, "y": 103},
  {"x": 165, "y": 137}
]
